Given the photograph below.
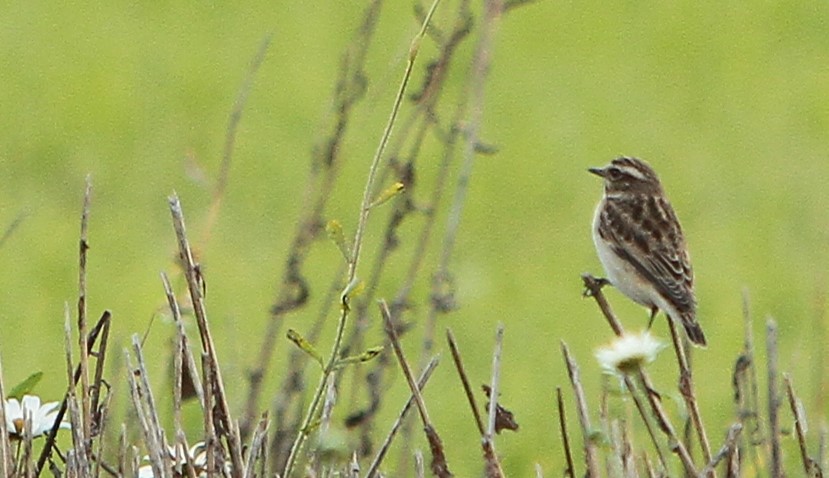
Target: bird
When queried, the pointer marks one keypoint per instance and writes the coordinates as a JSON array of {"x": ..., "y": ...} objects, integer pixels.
[{"x": 641, "y": 246}]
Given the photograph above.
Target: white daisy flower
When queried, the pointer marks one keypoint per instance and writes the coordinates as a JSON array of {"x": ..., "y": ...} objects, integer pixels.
[
  {"x": 29, "y": 408},
  {"x": 629, "y": 352}
]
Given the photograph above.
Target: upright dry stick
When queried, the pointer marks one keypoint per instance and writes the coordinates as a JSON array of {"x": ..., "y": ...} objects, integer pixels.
[
  {"x": 810, "y": 466},
  {"x": 194, "y": 284},
  {"x": 83, "y": 360},
  {"x": 686, "y": 389},
  {"x": 493, "y": 466},
  {"x": 591, "y": 452},
  {"x": 439, "y": 466},
  {"x": 774, "y": 400},
  {"x": 570, "y": 471}
]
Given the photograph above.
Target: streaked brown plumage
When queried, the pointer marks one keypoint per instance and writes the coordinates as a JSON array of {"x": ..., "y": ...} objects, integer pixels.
[{"x": 640, "y": 243}]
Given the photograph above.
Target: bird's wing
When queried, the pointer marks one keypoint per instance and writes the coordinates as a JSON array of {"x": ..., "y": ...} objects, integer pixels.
[{"x": 646, "y": 234}]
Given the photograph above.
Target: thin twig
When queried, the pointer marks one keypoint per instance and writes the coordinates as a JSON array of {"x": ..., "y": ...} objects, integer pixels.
[
  {"x": 231, "y": 132},
  {"x": 640, "y": 407},
  {"x": 257, "y": 447},
  {"x": 83, "y": 360},
  {"x": 810, "y": 466},
  {"x": 493, "y": 466},
  {"x": 185, "y": 342},
  {"x": 381, "y": 453},
  {"x": 439, "y": 466},
  {"x": 48, "y": 447},
  {"x": 470, "y": 396},
  {"x": 570, "y": 471},
  {"x": 774, "y": 399},
  {"x": 591, "y": 453},
  {"x": 686, "y": 389},
  {"x": 727, "y": 448}
]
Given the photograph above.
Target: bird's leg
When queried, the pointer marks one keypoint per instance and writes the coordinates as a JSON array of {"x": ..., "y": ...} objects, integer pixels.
[{"x": 654, "y": 311}]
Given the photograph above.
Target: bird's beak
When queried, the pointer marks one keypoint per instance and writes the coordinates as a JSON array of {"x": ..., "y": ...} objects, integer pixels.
[{"x": 597, "y": 171}]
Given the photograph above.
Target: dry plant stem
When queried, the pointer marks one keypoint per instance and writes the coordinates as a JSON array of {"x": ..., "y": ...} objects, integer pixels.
[
  {"x": 150, "y": 438},
  {"x": 570, "y": 471},
  {"x": 185, "y": 342},
  {"x": 381, "y": 453},
  {"x": 357, "y": 245},
  {"x": 478, "y": 74},
  {"x": 177, "y": 379},
  {"x": 79, "y": 443},
  {"x": 438, "y": 466},
  {"x": 98, "y": 381},
  {"x": 230, "y": 135},
  {"x": 11, "y": 228},
  {"x": 493, "y": 466},
  {"x": 640, "y": 407},
  {"x": 211, "y": 442},
  {"x": 664, "y": 423},
  {"x": 727, "y": 448},
  {"x": 324, "y": 172},
  {"x": 686, "y": 388},
  {"x": 747, "y": 389},
  {"x": 257, "y": 447},
  {"x": 83, "y": 361},
  {"x": 591, "y": 452},
  {"x": 774, "y": 400},
  {"x": 810, "y": 466},
  {"x": 103, "y": 323},
  {"x": 194, "y": 286},
  {"x": 146, "y": 408},
  {"x": 470, "y": 396}
]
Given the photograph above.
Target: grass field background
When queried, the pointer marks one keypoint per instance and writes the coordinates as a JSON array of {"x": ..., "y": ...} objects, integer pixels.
[{"x": 728, "y": 101}]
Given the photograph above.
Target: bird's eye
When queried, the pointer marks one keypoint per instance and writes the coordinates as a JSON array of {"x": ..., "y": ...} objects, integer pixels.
[{"x": 614, "y": 174}]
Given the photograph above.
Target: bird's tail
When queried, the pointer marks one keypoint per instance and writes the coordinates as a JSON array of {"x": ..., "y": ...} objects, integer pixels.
[{"x": 693, "y": 330}]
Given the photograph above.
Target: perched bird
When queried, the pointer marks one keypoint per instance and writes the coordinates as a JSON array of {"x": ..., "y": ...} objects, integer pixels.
[{"x": 641, "y": 246}]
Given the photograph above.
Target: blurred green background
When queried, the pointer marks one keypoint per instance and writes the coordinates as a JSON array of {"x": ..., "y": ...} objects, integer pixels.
[{"x": 729, "y": 101}]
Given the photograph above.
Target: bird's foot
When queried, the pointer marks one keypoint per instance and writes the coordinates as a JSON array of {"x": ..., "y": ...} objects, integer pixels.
[{"x": 593, "y": 285}]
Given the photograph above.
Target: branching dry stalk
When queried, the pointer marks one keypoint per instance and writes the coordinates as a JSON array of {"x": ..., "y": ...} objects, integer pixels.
[
  {"x": 326, "y": 162},
  {"x": 356, "y": 248}
]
